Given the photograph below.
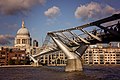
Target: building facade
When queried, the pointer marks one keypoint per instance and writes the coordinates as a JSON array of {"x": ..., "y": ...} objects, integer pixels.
[
  {"x": 98, "y": 54},
  {"x": 13, "y": 56},
  {"x": 54, "y": 59},
  {"x": 3, "y": 56},
  {"x": 102, "y": 55}
]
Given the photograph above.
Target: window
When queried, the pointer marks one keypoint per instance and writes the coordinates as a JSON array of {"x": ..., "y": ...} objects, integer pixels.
[
  {"x": 24, "y": 41},
  {"x": 18, "y": 41},
  {"x": 15, "y": 55}
]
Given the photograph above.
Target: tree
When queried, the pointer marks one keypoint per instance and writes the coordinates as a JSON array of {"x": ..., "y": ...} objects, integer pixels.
[{"x": 11, "y": 62}]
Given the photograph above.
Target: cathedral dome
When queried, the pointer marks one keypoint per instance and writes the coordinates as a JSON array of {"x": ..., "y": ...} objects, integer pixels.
[{"x": 23, "y": 30}]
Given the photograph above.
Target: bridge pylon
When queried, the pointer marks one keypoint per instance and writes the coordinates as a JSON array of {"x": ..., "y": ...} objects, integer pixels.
[
  {"x": 35, "y": 64},
  {"x": 74, "y": 65},
  {"x": 73, "y": 60}
]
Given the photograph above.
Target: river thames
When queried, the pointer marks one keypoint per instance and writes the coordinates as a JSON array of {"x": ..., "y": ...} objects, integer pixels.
[{"x": 96, "y": 72}]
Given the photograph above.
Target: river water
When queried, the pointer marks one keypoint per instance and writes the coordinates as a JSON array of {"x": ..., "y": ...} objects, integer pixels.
[{"x": 96, "y": 72}]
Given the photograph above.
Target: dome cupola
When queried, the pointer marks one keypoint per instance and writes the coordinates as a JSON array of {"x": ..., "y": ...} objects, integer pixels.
[{"x": 23, "y": 30}]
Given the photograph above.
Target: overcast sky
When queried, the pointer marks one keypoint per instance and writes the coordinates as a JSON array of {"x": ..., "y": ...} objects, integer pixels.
[{"x": 41, "y": 16}]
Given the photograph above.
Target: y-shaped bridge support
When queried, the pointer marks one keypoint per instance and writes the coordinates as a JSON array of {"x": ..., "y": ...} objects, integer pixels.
[
  {"x": 35, "y": 61},
  {"x": 74, "y": 65},
  {"x": 74, "y": 62}
]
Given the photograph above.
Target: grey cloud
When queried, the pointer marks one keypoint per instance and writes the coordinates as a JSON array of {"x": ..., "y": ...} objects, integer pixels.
[
  {"x": 8, "y": 28},
  {"x": 6, "y": 39},
  {"x": 10, "y": 7},
  {"x": 94, "y": 10}
]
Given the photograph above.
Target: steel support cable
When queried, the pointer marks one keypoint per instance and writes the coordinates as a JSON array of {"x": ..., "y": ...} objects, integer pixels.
[
  {"x": 90, "y": 34},
  {"x": 69, "y": 39},
  {"x": 63, "y": 39},
  {"x": 82, "y": 39}
]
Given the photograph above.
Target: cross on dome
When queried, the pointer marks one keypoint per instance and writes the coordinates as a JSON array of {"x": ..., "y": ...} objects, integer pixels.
[{"x": 23, "y": 24}]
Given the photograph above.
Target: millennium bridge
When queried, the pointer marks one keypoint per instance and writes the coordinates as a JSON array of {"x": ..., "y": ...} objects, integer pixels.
[{"x": 74, "y": 41}]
